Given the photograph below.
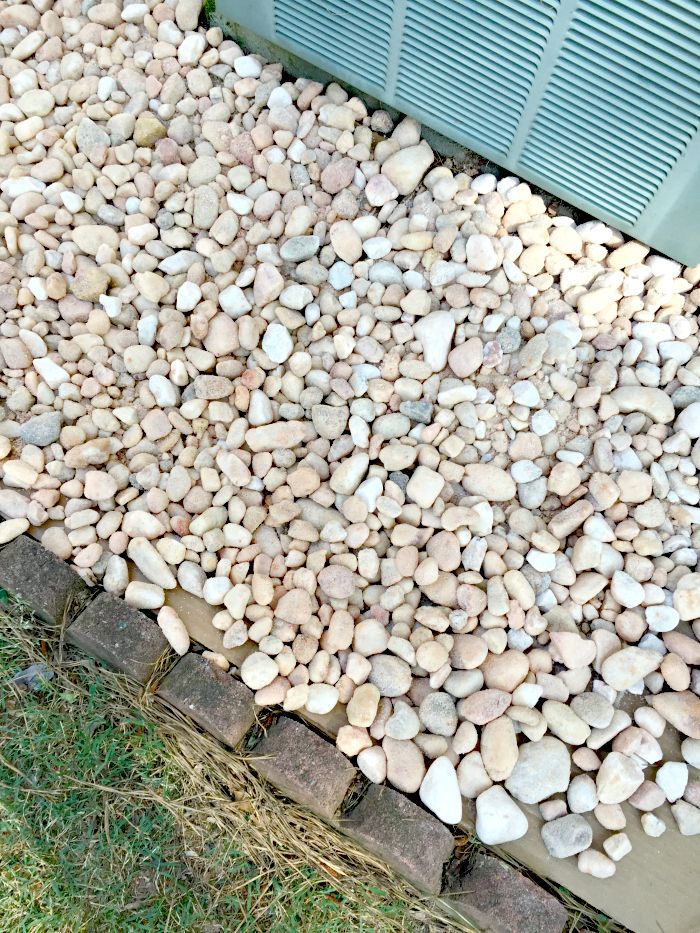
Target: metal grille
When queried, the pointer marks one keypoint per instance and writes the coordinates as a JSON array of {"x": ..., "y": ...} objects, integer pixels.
[
  {"x": 597, "y": 101},
  {"x": 354, "y": 35},
  {"x": 472, "y": 62},
  {"x": 622, "y": 103}
]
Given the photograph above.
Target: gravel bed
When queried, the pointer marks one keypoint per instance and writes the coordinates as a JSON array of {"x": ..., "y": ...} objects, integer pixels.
[{"x": 431, "y": 449}]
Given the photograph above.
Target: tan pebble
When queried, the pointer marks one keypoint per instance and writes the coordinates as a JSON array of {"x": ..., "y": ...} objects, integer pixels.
[
  {"x": 362, "y": 708},
  {"x": 431, "y": 656},
  {"x": 174, "y": 630},
  {"x": 499, "y": 748},
  {"x": 484, "y": 706},
  {"x": 505, "y": 671},
  {"x": 351, "y": 740},
  {"x": 675, "y": 672},
  {"x": 595, "y": 863},
  {"x": 610, "y": 816},
  {"x": 682, "y": 710}
]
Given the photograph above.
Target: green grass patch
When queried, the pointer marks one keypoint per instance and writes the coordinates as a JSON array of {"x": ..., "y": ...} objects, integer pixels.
[
  {"x": 208, "y": 10},
  {"x": 98, "y": 831}
]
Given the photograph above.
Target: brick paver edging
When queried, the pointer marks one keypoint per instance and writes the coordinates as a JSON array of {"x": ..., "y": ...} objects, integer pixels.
[{"x": 481, "y": 887}]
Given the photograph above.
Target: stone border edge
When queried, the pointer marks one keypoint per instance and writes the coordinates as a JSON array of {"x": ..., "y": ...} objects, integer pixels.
[{"x": 479, "y": 888}]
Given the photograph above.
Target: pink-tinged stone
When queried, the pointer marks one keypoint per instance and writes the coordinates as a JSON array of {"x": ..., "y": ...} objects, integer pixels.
[
  {"x": 493, "y": 354},
  {"x": 405, "y": 767},
  {"x": 682, "y": 710},
  {"x": 379, "y": 191},
  {"x": 647, "y": 797},
  {"x": 684, "y": 646},
  {"x": 483, "y": 706},
  {"x": 636, "y": 741},
  {"x": 465, "y": 359},
  {"x": 338, "y": 175},
  {"x": 243, "y": 149},
  {"x": 268, "y": 284}
]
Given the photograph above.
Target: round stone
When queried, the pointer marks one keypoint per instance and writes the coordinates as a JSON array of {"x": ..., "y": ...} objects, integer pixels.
[{"x": 258, "y": 670}]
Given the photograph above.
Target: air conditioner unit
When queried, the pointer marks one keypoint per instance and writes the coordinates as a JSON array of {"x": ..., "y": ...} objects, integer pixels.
[{"x": 596, "y": 101}]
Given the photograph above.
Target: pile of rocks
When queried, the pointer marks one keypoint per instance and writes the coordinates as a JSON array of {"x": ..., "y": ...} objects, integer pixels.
[{"x": 432, "y": 450}]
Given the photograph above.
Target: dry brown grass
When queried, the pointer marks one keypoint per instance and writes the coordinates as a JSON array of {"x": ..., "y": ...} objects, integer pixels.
[{"x": 220, "y": 798}]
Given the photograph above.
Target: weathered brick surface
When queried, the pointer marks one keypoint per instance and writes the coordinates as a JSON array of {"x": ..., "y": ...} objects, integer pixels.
[
  {"x": 305, "y": 767},
  {"x": 498, "y": 898},
  {"x": 46, "y": 583},
  {"x": 123, "y": 637},
  {"x": 411, "y": 841},
  {"x": 214, "y": 699}
]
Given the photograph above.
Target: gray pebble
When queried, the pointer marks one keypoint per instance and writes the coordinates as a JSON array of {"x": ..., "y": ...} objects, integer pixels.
[
  {"x": 567, "y": 836},
  {"x": 418, "y": 411},
  {"x": 42, "y": 429},
  {"x": 685, "y": 395},
  {"x": 299, "y": 248}
]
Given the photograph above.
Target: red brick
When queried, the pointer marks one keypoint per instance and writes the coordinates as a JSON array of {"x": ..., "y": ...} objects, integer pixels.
[
  {"x": 47, "y": 584},
  {"x": 218, "y": 702},
  {"x": 497, "y": 897},
  {"x": 306, "y": 768},
  {"x": 411, "y": 841},
  {"x": 123, "y": 637}
]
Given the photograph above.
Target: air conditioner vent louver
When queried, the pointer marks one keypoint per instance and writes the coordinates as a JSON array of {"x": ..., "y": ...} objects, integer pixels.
[
  {"x": 597, "y": 101},
  {"x": 476, "y": 73},
  {"x": 354, "y": 34},
  {"x": 616, "y": 157}
]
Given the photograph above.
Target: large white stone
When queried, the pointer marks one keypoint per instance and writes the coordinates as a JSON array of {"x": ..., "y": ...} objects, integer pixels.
[
  {"x": 543, "y": 768},
  {"x": 652, "y": 402},
  {"x": 672, "y": 778},
  {"x": 439, "y": 791},
  {"x": 498, "y": 817},
  {"x": 277, "y": 342},
  {"x": 258, "y": 670},
  {"x": 627, "y": 667},
  {"x": 435, "y": 331},
  {"x": 406, "y": 168},
  {"x": 150, "y": 563},
  {"x": 618, "y": 778}
]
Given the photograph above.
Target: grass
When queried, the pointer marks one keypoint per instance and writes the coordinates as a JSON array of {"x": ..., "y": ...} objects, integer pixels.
[
  {"x": 116, "y": 818},
  {"x": 116, "y": 814},
  {"x": 208, "y": 10}
]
